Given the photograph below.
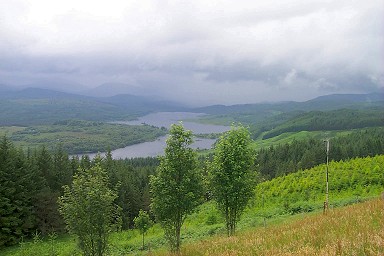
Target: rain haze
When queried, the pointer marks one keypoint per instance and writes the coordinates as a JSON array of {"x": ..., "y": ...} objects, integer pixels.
[{"x": 197, "y": 52}]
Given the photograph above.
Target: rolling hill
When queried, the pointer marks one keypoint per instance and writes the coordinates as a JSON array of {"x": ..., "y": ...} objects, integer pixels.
[
  {"x": 326, "y": 102},
  {"x": 341, "y": 119},
  {"x": 33, "y": 106}
]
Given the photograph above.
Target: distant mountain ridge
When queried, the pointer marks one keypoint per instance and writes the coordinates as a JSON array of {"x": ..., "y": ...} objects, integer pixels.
[
  {"x": 43, "y": 106},
  {"x": 36, "y": 93},
  {"x": 37, "y": 105},
  {"x": 354, "y": 97},
  {"x": 113, "y": 89},
  {"x": 122, "y": 100},
  {"x": 326, "y": 102}
]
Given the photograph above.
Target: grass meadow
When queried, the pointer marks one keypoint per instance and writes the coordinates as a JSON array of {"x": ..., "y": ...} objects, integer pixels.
[
  {"x": 356, "y": 229},
  {"x": 352, "y": 230}
]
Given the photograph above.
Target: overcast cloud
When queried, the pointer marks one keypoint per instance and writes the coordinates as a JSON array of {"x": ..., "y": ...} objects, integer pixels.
[{"x": 201, "y": 52}]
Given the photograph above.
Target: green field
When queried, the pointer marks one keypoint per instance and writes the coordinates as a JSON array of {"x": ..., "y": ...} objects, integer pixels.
[
  {"x": 8, "y": 130},
  {"x": 353, "y": 230},
  {"x": 288, "y": 137}
]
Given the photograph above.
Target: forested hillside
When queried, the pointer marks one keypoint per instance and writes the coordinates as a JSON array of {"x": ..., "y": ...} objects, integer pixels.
[
  {"x": 341, "y": 119},
  {"x": 266, "y": 116},
  {"x": 32, "y": 181},
  {"x": 34, "y": 106},
  {"x": 79, "y": 137},
  {"x": 289, "y": 157}
]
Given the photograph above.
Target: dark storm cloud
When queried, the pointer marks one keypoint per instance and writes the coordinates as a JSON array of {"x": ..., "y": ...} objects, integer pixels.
[
  {"x": 247, "y": 71},
  {"x": 200, "y": 51}
]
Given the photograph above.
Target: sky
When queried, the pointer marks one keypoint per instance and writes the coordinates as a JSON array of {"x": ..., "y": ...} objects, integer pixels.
[{"x": 199, "y": 52}]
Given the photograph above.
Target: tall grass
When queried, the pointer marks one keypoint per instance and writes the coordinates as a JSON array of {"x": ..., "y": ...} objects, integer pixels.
[{"x": 353, "y": 230}]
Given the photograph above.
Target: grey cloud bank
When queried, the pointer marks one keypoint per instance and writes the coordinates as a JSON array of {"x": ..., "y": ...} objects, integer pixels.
[{"x": 200, "y": 52}]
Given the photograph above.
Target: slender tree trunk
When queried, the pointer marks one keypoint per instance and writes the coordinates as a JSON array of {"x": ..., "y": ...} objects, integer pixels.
[
  {"x": 178, "y": 239},
  {"x": 234, "y": 221},
  {"x": 143, "y": 241},
  {"x": 227, "y": 217}
]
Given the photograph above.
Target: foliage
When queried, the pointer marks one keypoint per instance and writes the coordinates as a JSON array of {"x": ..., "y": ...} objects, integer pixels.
[
  {"x": 299, "y": 191},
  {"x": 232, "y": 178},
  {"x": 176, "y": 188},
  {"x": 78, "y": 136},
  {"x": 31, "y": 182},
  {"x": 88, "y": 209},
  {"x": 24, "y": 195},
  {"x": 281, "y": 159},
  {"x": 330, "y": 120},
  {"x": 265, "y": 116},
  {"x": 143, "y": 223},
  {"x": 351, "y": 182},
  {"x": 130, "y": 177},
  {"x": 13, "y": 198}
]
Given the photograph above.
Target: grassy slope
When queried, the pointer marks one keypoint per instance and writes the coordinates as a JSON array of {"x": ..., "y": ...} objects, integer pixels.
[
  {"x": 206, "y": 221},
  {"x": 290, "y": 136},
  {"x": 353, "y": 230},
  {"x": 349, "y": 180}
]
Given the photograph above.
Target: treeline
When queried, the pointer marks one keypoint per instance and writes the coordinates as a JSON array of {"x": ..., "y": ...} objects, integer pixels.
[
  {"x": 32, "y": 181},
  {"x": 304, "y": 154},
  {"x": 341, "y": 119}
]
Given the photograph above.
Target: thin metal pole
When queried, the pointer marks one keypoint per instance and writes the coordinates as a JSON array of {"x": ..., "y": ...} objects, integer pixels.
[
  {"x": 327, "y": 195},
  {"x": 264, "y": 220}
]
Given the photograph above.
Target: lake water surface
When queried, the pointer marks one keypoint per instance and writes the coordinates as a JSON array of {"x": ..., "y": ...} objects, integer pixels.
[{"x": 165, "y": 119}]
